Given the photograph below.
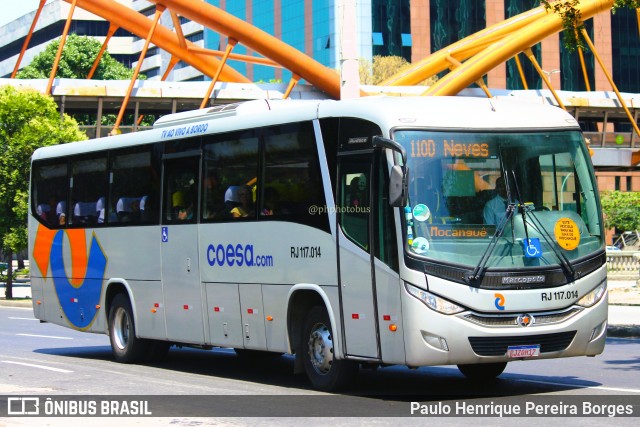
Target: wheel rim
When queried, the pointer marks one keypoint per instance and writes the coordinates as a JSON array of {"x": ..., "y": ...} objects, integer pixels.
[
  {"x": 320, "y": 348},
  {"x": 121, "y": 328}
]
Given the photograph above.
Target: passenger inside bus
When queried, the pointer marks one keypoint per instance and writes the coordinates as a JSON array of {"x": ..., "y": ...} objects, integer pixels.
[
  {"x": 272, "y": 203},
  {"x": 128, "y": 209},
  {"x": 496, "y": 208},
  {"x": 183, "y": 204},
  {"x": 357, "y": 194},
  {"x": 245, "y": 207},
  {"x": 211, "y": 206},
  {"x": 47, "y": 212}
]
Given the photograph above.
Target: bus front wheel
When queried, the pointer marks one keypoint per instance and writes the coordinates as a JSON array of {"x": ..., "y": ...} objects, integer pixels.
[
  {"x": 126, "y": 347},
  {"x": 325, "y": 372},
  {"x": 482, "y": 371}
]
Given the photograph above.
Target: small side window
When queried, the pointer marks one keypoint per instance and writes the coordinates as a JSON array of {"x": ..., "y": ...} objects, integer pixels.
[
  {"x": 135, "y": 189},
  {"x": 230, "y": 177},
  {"x": 181, "y": 190},
  {"x": 354, "y": 208},
  {"x": 49, "y": 194},
  {"x": 292, "y": 178},
  {"x": 88, "y": 191}
]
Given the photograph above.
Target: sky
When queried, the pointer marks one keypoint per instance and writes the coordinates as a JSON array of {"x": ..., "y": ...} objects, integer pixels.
[{"x": 12, "y": 9}]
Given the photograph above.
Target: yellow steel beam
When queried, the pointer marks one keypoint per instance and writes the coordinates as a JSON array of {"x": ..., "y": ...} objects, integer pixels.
[
  {"x": 164, "y": 38},
  {"x": 112, "y": 30},
  {"x": 255, "y": 39},
  {"x": 292, "y": 83},
  {"x": 231, "y": 43},
  {"x": 125, "y": 101},
  {"x": 501, "y": 51},
  {"x": 28, "y": 38},
  {"x": 543, "y": 76},
  {"x": 63, "y": 39},
  {"x": 613, "y": 85},
  {"x": 480, "y": 82},
  {"x": 521, "y": 72},
  {"x": 238, "y": 57},
  {"x": 463, "y": 49}
]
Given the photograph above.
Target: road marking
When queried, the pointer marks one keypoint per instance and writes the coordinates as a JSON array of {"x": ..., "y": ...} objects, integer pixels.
[
  {"x": 22, "y": 318},
  {"x": 627, "y": 390},
  {"x": 31, "y": 365},
  {"x": 44, "y": 336}
]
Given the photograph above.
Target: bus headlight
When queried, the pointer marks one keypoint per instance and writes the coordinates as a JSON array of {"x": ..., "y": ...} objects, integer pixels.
[
  {"x": 594, "y": 296},
  {"x": 432, "y": 301}
]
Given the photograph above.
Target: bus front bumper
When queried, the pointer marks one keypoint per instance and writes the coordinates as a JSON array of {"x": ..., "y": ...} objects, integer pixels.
[{"x": 471, "y": 338}]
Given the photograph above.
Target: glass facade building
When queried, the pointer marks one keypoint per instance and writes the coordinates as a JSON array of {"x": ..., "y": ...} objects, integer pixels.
[{"x": 414, "y": 28}]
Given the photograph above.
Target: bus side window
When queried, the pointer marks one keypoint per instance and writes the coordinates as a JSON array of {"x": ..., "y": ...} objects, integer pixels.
[
  {"x": 354, "y": 201},
  {"x": 89, "y": 185},
  {"x": 230, "y": 164},
  {"x": 293, "y": 182},
  {"x": 135, "y": 186},
  {"x": 49, "y": 193},
  {"x": 181, "y": 190}
]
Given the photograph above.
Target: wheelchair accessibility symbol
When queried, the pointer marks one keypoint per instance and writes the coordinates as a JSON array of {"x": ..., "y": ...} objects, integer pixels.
[{"x": 532, "y": 248}]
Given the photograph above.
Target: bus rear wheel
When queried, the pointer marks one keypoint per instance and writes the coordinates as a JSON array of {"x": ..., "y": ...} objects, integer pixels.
[
  {"x": 325, "y": 372},
  {"x": 126, "y": 347},
  {"x": 482, "y": 371}
]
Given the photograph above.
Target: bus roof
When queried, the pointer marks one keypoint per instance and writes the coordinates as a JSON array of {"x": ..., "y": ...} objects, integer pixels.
[{"x": 447, "y": 113}]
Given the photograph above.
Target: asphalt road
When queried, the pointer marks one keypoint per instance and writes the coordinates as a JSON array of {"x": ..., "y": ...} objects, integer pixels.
[{"x": 45, "y": 359}]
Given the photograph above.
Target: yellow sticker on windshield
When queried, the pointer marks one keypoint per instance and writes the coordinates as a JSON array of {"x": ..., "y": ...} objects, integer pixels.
[{"x": 567, "y": 234}]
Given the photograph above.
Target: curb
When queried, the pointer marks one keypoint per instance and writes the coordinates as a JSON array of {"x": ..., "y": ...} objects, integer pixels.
[
  {"x": 16, "y": 303},
  {"x": 623, "y": 331}
]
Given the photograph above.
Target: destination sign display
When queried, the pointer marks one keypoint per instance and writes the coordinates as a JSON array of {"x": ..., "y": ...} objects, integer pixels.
[{"x": 449, "y": 147}]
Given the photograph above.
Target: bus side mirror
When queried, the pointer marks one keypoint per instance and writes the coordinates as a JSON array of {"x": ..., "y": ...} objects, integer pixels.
[
  {"x": 399, "y": 177},
  {"x": 398, "y": 186}
]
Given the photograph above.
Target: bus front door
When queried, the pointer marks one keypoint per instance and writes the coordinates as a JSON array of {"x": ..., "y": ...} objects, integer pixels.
[
  {"x": 357, "y": 280},
  {"x": 180, "y": 269}
]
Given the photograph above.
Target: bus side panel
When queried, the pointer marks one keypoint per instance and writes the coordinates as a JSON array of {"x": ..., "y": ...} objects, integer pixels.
[
  {"x": 357, "y": 301},
  {"x": 37, "y": 298},
  {"x": 252, "y": 316},
  {"x": 223, "y": 312},
  {"x": 150, "y": 311},
  {"x": 388, "y": 288},
  {"x": 133, "y": 257},
  {"x": 274, "y": 297}
]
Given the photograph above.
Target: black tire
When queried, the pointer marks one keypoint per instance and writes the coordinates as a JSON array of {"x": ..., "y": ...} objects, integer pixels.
[
  {"x": 317, "y": 351},
  {"x": 126, "y": 347},
  {"x": 483, "y": 371},
  {"x": 157, "y": 350}
]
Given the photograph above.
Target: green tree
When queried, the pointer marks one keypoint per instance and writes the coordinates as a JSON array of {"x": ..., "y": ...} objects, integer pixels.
[
  {"x": 76, "y": 61},
  {"x": 572, "y": 18},
  {"x": 382, "y": 68},
  {"x": 621, "y": 210},
  {"x": 28, "y": 120}
]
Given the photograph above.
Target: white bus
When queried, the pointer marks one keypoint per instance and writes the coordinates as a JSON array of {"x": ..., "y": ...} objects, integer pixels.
[{"x": 383, "y": 230}]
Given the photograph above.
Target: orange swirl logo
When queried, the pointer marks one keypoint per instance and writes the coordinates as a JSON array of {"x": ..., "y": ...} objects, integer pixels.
[{"x": 79, "y": 295}]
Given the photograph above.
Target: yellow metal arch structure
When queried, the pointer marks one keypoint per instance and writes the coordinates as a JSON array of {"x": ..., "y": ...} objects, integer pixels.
[
  {"x": 164, "y": 38},
  {"x": 462, "y": 49},
  {"x": 264, "y": 43},
  {"x": 237, "y": 31},
  {"x": 485, "y": 50}
]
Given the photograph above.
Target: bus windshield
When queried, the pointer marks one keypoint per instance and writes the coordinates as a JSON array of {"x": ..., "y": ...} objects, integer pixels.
[{"x": 530, "y": 196}]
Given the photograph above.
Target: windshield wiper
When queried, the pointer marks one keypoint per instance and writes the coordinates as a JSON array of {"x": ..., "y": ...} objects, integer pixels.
[
  {"x": 569, "y": 271},
  {"x": 478, "y": 273}
]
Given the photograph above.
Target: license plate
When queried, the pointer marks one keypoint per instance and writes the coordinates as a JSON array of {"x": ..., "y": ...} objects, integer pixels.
[{"x": 523, "y": 351}]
